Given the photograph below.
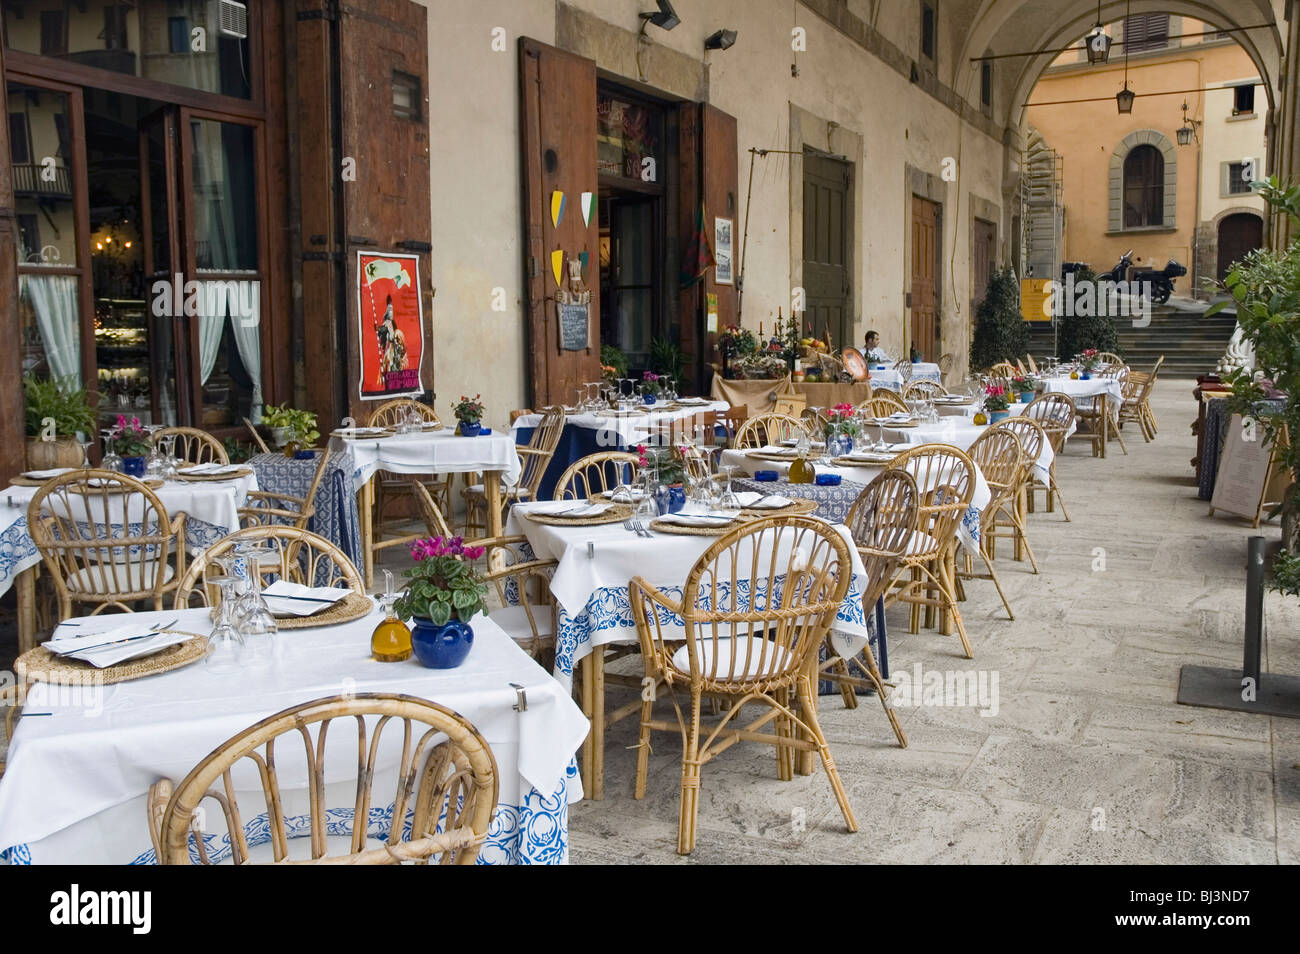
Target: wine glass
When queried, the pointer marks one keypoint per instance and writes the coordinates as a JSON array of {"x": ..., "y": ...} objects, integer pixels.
[
  {"x": 170, "y": 461},
  {"x": 110, "y": 460},
  {"x": 251, "y": 616},
  {"x": 227, "y": 652},
  {"x": 728, "y": 502},
  {"x": 154, "y": 465},
  {"x": 86, "y": 445}
]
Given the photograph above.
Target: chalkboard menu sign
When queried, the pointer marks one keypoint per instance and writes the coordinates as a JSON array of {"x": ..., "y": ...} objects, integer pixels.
[{"x": 573, "y": 327}]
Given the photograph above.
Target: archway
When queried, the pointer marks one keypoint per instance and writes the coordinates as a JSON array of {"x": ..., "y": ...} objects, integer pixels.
[{"x": 1238, "y": 234}]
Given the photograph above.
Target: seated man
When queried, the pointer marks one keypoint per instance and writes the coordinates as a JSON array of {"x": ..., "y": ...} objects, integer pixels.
[{"x": 873, "y": 350}]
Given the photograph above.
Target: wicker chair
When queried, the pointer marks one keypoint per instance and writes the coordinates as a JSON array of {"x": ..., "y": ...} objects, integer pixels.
[
  {"x": 1110, "y": 358},
  {"x": 945, "y": 480},
  {"x": 1137, "y": 401},
  {"x": 595, "y": 474},
  {"x": 733, "y": 418},
  {"x": 1094, "y": 417},
  {"x": 768, "y": 429},
  {"x": 298, "y": 556},
  {"x": 12, "y": 698},
  {"x": 1055, "y": 412},
  {"x": 194, "y": 445},
  {"x": 1032, "y": 439},
  {"x": 882, "y": 404},
  {"x": 1000, "y": 457},
  {"x": 444, "y": 777},
  {"x": 1031, "y": 364},
  {"x": 882, "y": 520},
  {"x": 923, "y": 390},
  {"x": 265, "y": 508},
  {"x": 1002, "y": 373},
  {"x": 106, "y": 540},
  {"x": 391, "y": 488},
  {"x": 946, "y": 361},
  {"x": 257, "y": 437},
  {"x": 535, "y": 458},
  {"x": 778, "y": 658}
]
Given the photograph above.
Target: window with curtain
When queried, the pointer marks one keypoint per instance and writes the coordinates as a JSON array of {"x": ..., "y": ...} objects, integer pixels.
[{"x": 1144, "y": 187}]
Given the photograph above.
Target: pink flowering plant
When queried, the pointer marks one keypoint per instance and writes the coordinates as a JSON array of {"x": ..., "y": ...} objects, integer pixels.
[
  {"x": 996, "y": 398},
  {"x": 129, "y": 438},
  {"x": 841, "y": 419},
  {"x": 443, "y": 582}
]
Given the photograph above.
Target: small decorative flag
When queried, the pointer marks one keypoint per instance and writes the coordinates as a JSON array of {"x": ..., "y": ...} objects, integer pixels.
[
  {"x": 557, "y": 207},
  {"x": 588, "y": 207},
  {"x": 699, "y": 255},
  {"x": 584, "y": 257},
  {"x": 557, "y": 265}
]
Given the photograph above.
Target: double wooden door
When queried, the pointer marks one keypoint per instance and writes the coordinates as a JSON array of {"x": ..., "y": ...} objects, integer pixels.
[
  {"x": 827, "y": 222},
  {"x": 924, "y": 331}
]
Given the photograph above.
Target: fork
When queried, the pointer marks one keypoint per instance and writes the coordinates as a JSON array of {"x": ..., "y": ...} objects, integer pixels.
[{"x": 154, "y": 630}]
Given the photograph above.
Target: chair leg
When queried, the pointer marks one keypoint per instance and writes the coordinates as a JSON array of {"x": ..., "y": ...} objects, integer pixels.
[
  {"x": 998, "y": 583},
  {"x": 944, "y": 586},
  {"x": 808, "y": 710},
  {"x": 846, "y": 688},
  {"x": 873, "y": 673},
  {"x": 690, "y": 783},
  {"x": 784, "y": 726},
  {"x": 1022, "y": 540},
  {"x": 643, "y": 748}
]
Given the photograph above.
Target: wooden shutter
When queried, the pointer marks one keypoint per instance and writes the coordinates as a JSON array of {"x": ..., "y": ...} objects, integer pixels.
[
  {"x": 707, "y": 150},
  {"x": 558, "y": 142},
  {"x": 12, "y": 416},
  {"x": 1146, "y": 31}
]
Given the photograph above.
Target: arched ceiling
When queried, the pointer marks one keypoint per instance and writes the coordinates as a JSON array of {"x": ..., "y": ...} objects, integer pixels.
[{"x": 1013, "y": 26}]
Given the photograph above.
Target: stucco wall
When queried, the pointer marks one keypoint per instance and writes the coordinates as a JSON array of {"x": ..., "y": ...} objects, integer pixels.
[{"x": 473, "y": 112}]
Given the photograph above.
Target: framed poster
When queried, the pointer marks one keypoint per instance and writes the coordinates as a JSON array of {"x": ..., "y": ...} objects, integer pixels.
[
  {"x": 722, "y": 271},
  {"x": 391, "y": 317}
]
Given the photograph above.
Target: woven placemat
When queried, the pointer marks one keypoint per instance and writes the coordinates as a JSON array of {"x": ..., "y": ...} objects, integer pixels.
[
  {"x": 770, "y": 455},
  {"x": 350, "y": 434},
  {"x": 41, "y": 665},
  {"x": 616, "y": 513},
  {"x": 662, "y": 526},
  {"x": 352, "y": 607},
  {"x": 153, "y": 483},
  {"x": 228, "y": 475},
  {"x": 795, "y": 506},
  {"x": 878, "y": 460}
]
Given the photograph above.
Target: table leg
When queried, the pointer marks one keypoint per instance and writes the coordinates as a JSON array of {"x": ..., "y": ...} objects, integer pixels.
[
  {"x": 26, "y": 609},
  {"x": 593, "y": 707},
  {"x": 882, "y": 641},
  {"x": 492, "y": 499},
  {"x": 366, "y": 499}
]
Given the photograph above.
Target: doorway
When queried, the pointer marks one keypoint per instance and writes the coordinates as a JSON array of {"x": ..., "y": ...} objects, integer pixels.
[
  {"x": 1239, "y": 233},
  {"x": 983, "y": 256},
  {"x": 630, "y": 258},
  {"x": 925, "y": 336},
  {"x": 827, "y": 223}
]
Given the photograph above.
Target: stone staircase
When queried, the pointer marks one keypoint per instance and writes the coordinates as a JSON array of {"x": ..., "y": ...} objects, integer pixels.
[{"x": 1191, "y": 344}]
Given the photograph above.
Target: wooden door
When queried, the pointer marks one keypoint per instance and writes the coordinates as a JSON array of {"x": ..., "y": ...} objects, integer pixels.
[
  {"x": 827, "y": 221},
  {"x": 1239, "y": 233},
  {"x": 983, "y": 257},
  {"x": 925, "y": 280},
  {"x": 558, "y": 129}
]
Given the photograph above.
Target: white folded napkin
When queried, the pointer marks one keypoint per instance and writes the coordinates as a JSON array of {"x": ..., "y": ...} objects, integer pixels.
[
  {"x": 567, "y": 508},
  {"x": 46, "y": 474},
  {"x": 899, "y": 416},
  {"x": 756, "y": 501},
  {"x": 705, "y": 518},
  {"x": 635, "y": 492},
  {"x": 293, "y": 599},
  {"x": 91, "y": 648},
  {"x": 214, "y": 468},
  {"x": 359, "y": 431}
]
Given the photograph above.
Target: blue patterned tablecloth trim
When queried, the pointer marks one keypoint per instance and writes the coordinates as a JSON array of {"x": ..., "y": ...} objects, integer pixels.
[{"x": 534, "y": 833}]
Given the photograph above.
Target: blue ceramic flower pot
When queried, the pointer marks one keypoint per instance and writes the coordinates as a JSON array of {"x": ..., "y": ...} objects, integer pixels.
[
  {"x": 441, "y": 647},
  {"x": 648, "y": 398},
  {"x": 676, "y": 498},
  {"x": 468, "y": 429},
  {"x": 1086, "y": 376},
  {"x": 1026, "y": 397},
  {"x": 133, "y": 466},
  {"x": 995, "y": 416}
]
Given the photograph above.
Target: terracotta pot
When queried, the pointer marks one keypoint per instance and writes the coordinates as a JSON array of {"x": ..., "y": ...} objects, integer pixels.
[{"x": 46, "y": 455}]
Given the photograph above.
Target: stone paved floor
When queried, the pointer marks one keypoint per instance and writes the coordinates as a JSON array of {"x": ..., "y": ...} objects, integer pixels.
[{"x": 1088, "y": 758}]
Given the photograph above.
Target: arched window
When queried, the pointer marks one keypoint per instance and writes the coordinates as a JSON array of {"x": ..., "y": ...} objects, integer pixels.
[{"x": 1144, "y": 187}]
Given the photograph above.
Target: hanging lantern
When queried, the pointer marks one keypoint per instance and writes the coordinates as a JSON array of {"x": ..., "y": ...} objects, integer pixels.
[
  {"x": 1124, "y": 99},
  {"x": 1184, "y": 135},
  {"x": 1098, "y": 43}
]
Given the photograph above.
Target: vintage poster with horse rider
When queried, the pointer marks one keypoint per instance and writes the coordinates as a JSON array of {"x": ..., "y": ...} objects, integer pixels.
[{"x": 392, "y": 324}]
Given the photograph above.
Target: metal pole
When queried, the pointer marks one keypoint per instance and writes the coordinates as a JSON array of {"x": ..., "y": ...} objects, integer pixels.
[
  {"x": 744, "y": 242},
  {"x": 1250, "y": 667}
]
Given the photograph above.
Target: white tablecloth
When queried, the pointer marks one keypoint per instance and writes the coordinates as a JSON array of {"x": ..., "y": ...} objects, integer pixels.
[
  {"x": 211, "y": 509},
  {"x": 75, "y": 785},
  {"x": 590, "y": 584},
  {"x": 439, "y": 452},
  {"x": 968, "y": 533},
  {"x": 618, "y": 430},
  {"x": 887, "y": 377},
  {"x": 1077, "y": 388}
]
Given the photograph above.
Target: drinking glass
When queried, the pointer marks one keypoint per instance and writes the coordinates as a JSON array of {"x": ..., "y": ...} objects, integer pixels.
[
  {"x": 727, "y": 500},
  {"x": 251, "y": 616},
  {"x": 170, "y": 462},
  {"x": 110, "y": 460},
  {"x": 86, "y": 445},
  {"x": 227, "y": 652}
]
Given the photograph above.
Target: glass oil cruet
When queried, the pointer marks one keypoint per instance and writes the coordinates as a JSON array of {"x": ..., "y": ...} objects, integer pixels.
[
  {"x": 391, "y": 640},
  {"x": 801, "y": 471}
]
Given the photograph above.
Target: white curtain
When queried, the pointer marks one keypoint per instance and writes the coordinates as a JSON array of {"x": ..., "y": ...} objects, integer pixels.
[
  {"x": 54, "y": 300},
  {"x": 222, "y": 299},
  {"x": 248, "y": 341},
  {"x": 212, "y": 319}
]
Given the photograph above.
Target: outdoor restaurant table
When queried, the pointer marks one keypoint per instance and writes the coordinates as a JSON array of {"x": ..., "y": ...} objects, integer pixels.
[
  {"x": 430, "y": 452},
  {"x": 211, "y": 511},
  {"x": 335, "y": 517},
  {"x": 1085, "y": 392},
  {"x": 590, "y": 586},
  {"x": 757, "y": 395},
  {"x": 593, "y": 432},
  {"x": 887, "y": 377},
  {"x": 968, "y": 532},
  {"x": 75, "y": 784}
]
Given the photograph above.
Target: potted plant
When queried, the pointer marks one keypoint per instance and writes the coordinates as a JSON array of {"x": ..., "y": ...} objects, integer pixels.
[
  {"x": 841, "y": 429},
  {"x": 997, "y": 402},
  {"x": 1088, "y": 363},
  {"x": 442, "y": 594},
  {"x": 650, "y": 387},
  {"x": 669, "y": 472},
  {"x": 68, "y": 406},
  {"x": 469, "y": 414},
  {"x": 1026, "y": 385},
  {"x": 1000, "y": 330},
  {"x": 288, "y": 424},
  {"x": 131, "y": 442}
]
